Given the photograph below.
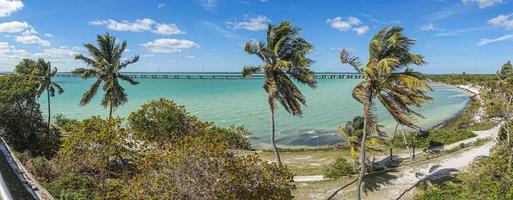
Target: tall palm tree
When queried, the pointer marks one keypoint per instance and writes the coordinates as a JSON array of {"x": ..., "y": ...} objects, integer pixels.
[
  {"x": 105, "y": 64},
  {"x": 42, "y": 72},
  {"x": 389, "y": 79},
  {"x": 284, "y": 60}
]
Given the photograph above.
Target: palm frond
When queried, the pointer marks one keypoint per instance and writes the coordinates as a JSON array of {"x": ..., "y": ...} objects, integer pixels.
[
  {"x": 86, "y": 98},
  {"x": 128, "y": 79}
]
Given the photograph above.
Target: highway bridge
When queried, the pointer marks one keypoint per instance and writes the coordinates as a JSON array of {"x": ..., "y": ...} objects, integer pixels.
[{"x": 218, "y": 75}]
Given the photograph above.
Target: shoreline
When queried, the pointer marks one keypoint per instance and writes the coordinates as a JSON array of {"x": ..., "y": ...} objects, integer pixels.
[
  {"x": 473, "y": 92},
  {"x": 467, "y": 88}
]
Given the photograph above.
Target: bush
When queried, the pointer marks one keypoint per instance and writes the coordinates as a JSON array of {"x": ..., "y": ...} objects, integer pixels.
[
  {"x": 41, "y": 168},
  {"x": 73, "y": 187},
  {"x": 163, "y": 121},
  {"x": 194, "y": 169},
  {"x": 339, "y": 168},
  {"x": 435, "y": 138}
]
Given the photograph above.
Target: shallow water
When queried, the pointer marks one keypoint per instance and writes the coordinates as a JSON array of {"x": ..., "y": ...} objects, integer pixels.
[{"x": 244, "y": 102}]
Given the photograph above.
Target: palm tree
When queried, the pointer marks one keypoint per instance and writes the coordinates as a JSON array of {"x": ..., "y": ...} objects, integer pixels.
[
  {"x": 352, "y": 133},
  {"x": 389, "y": 79},
  {"x": 284, "y": 60},
  {"x": 42, "y": 72},
  {"x": 105, "y": 64}
]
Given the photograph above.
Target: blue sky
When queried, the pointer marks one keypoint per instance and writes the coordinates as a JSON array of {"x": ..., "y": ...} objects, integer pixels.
[{"x": 473, "y": 36}]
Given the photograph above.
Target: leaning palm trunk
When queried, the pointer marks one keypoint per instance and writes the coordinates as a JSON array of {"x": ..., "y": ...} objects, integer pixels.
[
  {"x": 273, "y": 141},
  {"x": 366, "y": 113}
]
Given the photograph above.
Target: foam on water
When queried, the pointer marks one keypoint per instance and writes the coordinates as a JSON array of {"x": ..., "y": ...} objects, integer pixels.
[{"x": 244, "y": 102}]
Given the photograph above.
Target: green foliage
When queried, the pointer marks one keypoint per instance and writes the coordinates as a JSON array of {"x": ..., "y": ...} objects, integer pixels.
[
  {"x": 41, "y": 168},
  {"x": 21, "y": 122},
  {"x": 72, "y": 187},
  {"x": 463, "y": 79},
  {"x": 163, "y": 121},
  {"x": 97, "y": 160},
  {"x": 434, "y": 138},
  {"x": 96, "y": 148},
  {"x": 483, "y": 125},
  {"x": 489, "y": 178},
  {"x": 339, "y": 168},
  {"x": 194, "y": 169}
]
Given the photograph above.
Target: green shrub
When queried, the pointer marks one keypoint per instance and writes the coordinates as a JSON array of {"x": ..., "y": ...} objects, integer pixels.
[
  {"x": 339, "y": 168},
  {"x": 72, "y": 187},
  {"x": 483, "y": 125},
  {"x": 162, "y": 121},
  {"x": 434, "y": 138}
]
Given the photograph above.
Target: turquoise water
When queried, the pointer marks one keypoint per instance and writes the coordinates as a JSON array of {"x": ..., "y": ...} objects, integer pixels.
[{"x": 244, "y": 102}]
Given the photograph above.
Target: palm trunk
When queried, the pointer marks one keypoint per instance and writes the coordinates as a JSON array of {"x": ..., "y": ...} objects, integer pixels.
[
  {"x": 49, "y": 114},
  {"x": 392, "y": 145},
  {"x": 273, "y": 133},
  {"x": 366, "y": 106},
  {"x": 110, "y": 112},
  {"x": 406, "y": 143}
]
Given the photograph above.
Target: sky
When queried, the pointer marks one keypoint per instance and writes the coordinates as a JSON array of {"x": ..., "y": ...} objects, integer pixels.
[{"x": 454, "y": 36}]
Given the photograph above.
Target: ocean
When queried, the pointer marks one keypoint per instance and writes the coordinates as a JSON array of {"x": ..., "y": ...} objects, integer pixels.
[{"x": 244, "y": 102}]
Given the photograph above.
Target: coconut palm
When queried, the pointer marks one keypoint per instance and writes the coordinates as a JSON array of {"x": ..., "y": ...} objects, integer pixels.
[
  {"x": 284, "y": 61},
  {"x": 352, "y": 133},
  {"x": 389, "y": 79},
  {"x": 105, "y": 64},
  {"x": 41, "y": 71}
]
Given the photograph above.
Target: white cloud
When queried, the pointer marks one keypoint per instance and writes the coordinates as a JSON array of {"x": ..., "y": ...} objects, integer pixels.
[
  {"x": 257, "y": 23},
  {"x": 139, "y": 25},
  {"x": 7, "y": 7},
  {"x": 48, "y": 35},
  {"x": 61, "y": 57},
  {"x": 166, "y": 45},
  {"x": 29, "y": 38},
  {"x": 56, "y": 53},
  {"x": 489, "y": 41},
  {"x": 344, "y": 25},
  {"x": 428, "y": 27},
  {"x": 209, "y": 4},
  {"x": 349, "y": 24},
  {"x": 14, "y": 26},
  {"x": 167, "y": 29},
  {"x": 502, "y": 21},
  {"x": 361, "y": 30},
  {"x": 161, "y": 5},
  {"x": 189, "y": 57},
  {"x": 483, "y": 3}
]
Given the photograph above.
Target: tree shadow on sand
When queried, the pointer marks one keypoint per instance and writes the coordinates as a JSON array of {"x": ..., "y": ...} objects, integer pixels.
[{"x": 435, "y": 176}]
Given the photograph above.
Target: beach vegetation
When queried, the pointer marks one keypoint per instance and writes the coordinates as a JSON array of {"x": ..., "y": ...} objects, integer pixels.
[
  {"x": 340, "y": 168},
  {"x": 285, "y": 62},
  {"x": 390, "y": 79}
]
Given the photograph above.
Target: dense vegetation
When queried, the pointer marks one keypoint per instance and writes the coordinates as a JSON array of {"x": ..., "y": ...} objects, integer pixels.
[{"x": 99, "y": 158}]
